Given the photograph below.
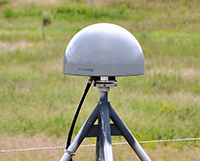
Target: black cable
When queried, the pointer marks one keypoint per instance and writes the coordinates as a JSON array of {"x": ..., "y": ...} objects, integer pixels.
[{"x": 77, "y": 113}]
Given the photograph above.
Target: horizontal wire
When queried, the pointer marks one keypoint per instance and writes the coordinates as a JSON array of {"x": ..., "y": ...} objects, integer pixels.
[
  {"x": 172, "y": 140},
  {"x": 92, "y": 145}
]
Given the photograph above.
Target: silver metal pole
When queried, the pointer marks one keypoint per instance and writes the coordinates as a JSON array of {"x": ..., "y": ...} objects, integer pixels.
[{"x": 105, "y": 132}]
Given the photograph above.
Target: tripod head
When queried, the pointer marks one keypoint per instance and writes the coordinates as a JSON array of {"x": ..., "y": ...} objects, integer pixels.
[{"x": 104, "y": 81}]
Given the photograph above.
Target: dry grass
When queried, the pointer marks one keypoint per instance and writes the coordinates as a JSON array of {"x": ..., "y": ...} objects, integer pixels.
[
  {"x": 22, "y": 45},
  {"x": 160, "y": 152},
  {"x": 38, "y": 2},
  {"x": 49, "y": 3}
]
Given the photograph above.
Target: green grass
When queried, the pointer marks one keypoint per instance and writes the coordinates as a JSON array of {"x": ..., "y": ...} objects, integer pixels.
[{"x": 36, "y": 98}]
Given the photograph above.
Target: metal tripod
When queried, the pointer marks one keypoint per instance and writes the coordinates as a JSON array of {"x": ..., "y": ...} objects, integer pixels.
[{"x": 103, "y": 131}]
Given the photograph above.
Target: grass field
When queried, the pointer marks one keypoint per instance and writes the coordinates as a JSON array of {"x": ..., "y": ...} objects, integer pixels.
[{"x": 37, "y": 101}]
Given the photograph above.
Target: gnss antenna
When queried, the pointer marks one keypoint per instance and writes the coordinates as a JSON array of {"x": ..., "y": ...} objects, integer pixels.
[{"x": 103, "y": 52}]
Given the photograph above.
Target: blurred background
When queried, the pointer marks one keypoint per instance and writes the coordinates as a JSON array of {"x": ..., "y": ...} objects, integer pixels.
[{"x": 38, "y": 102}]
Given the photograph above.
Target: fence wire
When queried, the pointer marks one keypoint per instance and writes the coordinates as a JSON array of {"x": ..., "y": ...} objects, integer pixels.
[{"x": 92, "y": 145}]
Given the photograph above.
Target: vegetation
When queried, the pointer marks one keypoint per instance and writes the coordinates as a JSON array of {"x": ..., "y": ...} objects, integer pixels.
[{"x": 36, "y": 98}]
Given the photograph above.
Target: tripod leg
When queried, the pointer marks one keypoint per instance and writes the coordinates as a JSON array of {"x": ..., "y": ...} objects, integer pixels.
[
  {"x": 105, "y": 132},
  {"x": 81, "y": 135},
  {"x": 104, "y": 145},
  {"x": 128, "y": 136},
  {"x": 99, "y": 149}
]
